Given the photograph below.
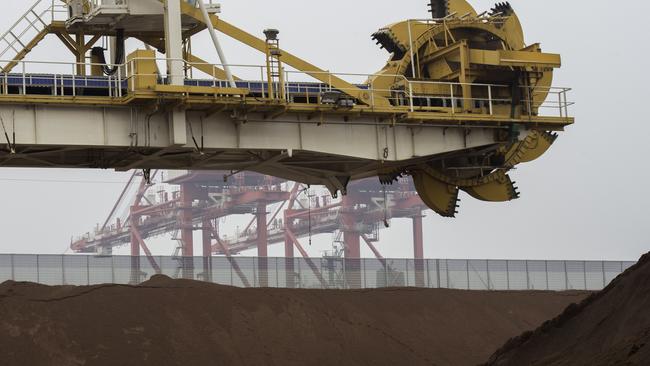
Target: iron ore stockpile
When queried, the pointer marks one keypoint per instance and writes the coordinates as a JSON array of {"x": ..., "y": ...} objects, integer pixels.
[
  {"x": 611, "y": 327},
  {"x": 180, "y": 322}
]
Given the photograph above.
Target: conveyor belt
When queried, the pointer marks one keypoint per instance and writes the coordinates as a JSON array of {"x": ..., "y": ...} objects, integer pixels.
[{"x": 46, "y": 82}]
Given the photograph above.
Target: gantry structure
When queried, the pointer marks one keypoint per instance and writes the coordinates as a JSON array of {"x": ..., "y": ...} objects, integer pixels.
[
  {"x": 462, "y": 100},
  {"x": 198, "y": 201}
]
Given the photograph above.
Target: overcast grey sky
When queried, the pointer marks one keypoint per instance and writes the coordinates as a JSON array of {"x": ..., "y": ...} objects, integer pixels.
[{"x": 586, "y": 199}]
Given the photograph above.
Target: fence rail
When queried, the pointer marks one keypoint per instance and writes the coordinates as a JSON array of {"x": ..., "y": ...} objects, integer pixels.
[{"x": 337, "y": 273}]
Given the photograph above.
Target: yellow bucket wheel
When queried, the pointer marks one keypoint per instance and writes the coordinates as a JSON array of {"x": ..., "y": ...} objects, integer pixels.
[
  {"x": 531, "y": 148},
  {"x": 437, "y": 187}
]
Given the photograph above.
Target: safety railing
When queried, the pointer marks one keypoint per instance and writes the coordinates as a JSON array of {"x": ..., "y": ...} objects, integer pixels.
[
  {"x": 124, "y": 3},
  {"x": 299, "y": 86},
  {"x": 547, "y": 101},
  {"x": 107, "y": 3},
  {"x": 307, "y": 87},
  {"x": 37, "y": 17},
  {"x": 61, "y": 79},
  {"x": 333, "y": 273}
]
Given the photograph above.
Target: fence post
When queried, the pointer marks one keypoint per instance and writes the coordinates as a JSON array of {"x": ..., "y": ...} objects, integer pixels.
[
  {"x": 300, "y": 272},
  {"x": 487, "y": 271},
  {"x": 386, "y": 274},
  {"x": 113, "y": 271},
  {"x": 428, "y": 284},
  {"x": 407, "y": 272},
  {"x": 467, "y": 268},
  {"x": 604, "y": 276},
  {"x": 566, "y": 277},
  {"x": 584, "y": 269},
  {"x": 88, "y": 270},
  {"x": 508, "y": 274},
  {"x": 546, "y": 268},
  {"x": 255, "y": 264},
  {"x": 438, "y": 272},
  {"x": 277, "y": 276},
  {"x": 527, "y": 276},
  {"x": 447, "y": 270},
  {"x": 62, "y": 270},
  {"x": 363, "y": 272},
  {"x": 38, "y": 270}
]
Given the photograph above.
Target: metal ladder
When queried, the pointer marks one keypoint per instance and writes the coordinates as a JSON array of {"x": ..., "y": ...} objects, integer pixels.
[
  {"x": 28, "y": 31},
  {"x": 176, "y": 255},
  {"x": 275, "y": 70}
]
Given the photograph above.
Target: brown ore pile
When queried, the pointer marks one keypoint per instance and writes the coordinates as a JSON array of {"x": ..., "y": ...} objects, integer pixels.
[
  {"x": 178, "y": 322},
  {"x": 611, "y": 327}
]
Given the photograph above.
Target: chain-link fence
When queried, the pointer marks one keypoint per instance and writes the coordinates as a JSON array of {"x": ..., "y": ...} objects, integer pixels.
[{"x": 333, "y": 273}]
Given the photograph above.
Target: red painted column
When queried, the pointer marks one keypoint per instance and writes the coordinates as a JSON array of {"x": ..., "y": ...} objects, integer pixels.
[
  {"x": 352, "y": 242},
  {"x": 262, "y": 233},
  {"x": 418, "y": 250},
  {"x": 289, "y": 263},
  {"x": 187, "y": 230},
  {"x": 418, "y": 237},
  {"x": 262, "y": 244},
  {"x": 207, "y": 250},
  {"x": 135, "y": 252}
]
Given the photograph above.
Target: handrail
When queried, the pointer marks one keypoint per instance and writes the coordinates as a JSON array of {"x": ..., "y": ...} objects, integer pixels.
[{"x": 486, "y": 96}]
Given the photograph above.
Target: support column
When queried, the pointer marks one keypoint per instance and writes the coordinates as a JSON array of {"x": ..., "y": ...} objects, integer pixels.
[
  {"x": 80, "y": 55},
  {"x": 418, "y": 250},
  {"x": 175, "y": 68},
  {"x": 262, "y": 244},
  {"x": 174, "y": 42},
  {"x": 187, "y": 230},
  {"x": 352, "y": 242},
  {"x": 135, "y": 252},
  {"x": 289, "y": 266},
  {"x": 207, "y": 250},
  {"x": 464, "y": 78}
]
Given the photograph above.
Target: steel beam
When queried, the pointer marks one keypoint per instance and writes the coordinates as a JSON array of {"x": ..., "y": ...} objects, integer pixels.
[
  {"x": 418, "y": 250},
  {"x": 306, "y": 257},
  {"x": 207, "y": 249},
  {"x": 352, "y": 242},
  {"x": 262, "y": 244},
  {"x": 135, "y": 255},
  {"x": 365, "y": 138},
  {"x": 187, "y": 229}
]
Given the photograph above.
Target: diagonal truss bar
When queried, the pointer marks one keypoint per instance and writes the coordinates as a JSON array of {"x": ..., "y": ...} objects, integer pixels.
[
  {"x": 304, "y": 254},
  {"x": 119, "y": 200},
  {"x": 144, "y": 247},
  {"x": 372, "y": 247},
  {"x": 287, "y": 58},
  {"x": 233, "y": 261}
]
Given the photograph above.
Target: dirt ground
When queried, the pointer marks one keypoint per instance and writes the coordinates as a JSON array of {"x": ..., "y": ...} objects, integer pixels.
[
  {"x": 611, "y": 327},
  {"x": 177, "y": 322}
]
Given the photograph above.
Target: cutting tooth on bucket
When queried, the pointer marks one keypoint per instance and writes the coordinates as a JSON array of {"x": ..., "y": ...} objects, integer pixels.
[
  {"x": 439, "y": 196},
  {"x": 501, "y": 189},
  {"x": 536, "y": 144}
]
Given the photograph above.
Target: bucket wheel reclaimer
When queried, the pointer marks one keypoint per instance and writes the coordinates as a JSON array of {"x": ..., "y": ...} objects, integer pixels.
[
  {"x": 457, "y": 106},
  {"x": 472, "y": 49}
]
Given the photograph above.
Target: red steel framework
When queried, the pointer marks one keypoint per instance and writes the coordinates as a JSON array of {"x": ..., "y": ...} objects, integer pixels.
[{"x": 202, "y": 199}]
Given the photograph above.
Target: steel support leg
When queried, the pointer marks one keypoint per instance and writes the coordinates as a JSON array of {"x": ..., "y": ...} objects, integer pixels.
[
  {"x": 289, "y": 268},
  {"x": 262, "y": 245},
  {"x": 135, "y": 256},
  {"x": 187, "y": 231},
  {"x": 418, "y": 251},
  {"x": 207, "y": 250},
  {"x": 352, "y": 242}
]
